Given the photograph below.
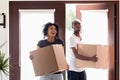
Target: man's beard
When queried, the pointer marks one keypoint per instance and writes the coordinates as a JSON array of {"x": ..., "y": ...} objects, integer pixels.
[{"x": 77, "y": 31}]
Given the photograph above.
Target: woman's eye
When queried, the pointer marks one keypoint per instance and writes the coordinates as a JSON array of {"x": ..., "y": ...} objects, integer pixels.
[{"x": 50, "y": 28}]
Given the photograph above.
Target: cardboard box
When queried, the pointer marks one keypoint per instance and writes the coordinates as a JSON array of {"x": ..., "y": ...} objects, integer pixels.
[
  {"x": 49, "y": 59},
  {"x": 101, "y": 51}
]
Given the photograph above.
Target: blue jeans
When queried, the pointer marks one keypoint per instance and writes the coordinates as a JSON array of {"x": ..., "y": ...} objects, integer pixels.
[
  {"x": 52, "y": 77},
  {"x": 72, "y": 75}
]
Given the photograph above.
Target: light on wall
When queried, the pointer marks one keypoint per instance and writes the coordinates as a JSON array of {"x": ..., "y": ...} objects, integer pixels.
[{"x": 3, "y": 20}]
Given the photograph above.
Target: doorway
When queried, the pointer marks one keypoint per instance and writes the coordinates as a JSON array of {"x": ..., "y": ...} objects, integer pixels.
[
  {"x": 25, "y": 13},
  {"x": 59, "y": 17},
  {"x": 93, "y": 33}
]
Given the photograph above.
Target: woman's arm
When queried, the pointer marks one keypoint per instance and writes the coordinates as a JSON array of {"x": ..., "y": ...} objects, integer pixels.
[
  {"x": 38, "y": 47},
  {"x": 31, "y": 57}
]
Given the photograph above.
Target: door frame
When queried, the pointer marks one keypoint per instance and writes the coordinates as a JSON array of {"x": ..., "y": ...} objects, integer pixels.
[{"x": 14, "y": 7}]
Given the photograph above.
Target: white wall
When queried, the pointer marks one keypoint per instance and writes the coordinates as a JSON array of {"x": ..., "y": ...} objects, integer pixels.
[{"x": 3, "y": 31}]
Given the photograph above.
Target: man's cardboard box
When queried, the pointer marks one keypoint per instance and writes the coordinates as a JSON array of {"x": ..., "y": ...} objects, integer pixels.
[
  {"x": 49, "y": 59},
  {"x": 101, "y": 51}
]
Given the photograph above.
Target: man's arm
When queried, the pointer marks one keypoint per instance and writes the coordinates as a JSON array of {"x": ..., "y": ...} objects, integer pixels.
[{"x": 82, "y": 57}]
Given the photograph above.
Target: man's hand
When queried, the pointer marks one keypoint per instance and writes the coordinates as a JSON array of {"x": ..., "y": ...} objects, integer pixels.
[{"x": 94, "y": 58}]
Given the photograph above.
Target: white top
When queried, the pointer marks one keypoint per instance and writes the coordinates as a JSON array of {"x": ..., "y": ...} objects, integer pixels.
[{"x": 74, "y": 40}]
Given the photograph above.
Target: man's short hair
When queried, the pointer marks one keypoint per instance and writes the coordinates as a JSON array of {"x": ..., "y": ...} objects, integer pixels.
[{"x": 76, "y": 20}]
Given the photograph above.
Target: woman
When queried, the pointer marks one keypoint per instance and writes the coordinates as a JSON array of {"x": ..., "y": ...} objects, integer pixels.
[{"x": 51, "y": 32}]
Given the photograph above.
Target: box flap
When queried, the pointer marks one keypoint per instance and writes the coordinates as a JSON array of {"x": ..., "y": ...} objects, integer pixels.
[{"x": 60, "y": 57}]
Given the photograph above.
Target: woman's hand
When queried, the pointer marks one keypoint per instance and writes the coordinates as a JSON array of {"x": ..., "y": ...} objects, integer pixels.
[
  {"x": 31, "y": 57},
  {"x": 67, "y": 67}
]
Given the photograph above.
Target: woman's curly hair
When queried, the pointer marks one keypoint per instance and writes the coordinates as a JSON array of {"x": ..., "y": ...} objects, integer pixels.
[{"x": 47, "y": 25}]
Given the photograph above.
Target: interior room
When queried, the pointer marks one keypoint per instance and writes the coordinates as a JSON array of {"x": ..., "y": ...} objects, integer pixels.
[{"x": 21, "y": 24}]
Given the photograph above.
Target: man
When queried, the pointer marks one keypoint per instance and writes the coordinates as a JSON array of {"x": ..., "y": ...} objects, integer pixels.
[{"x": 75, "y": 73}]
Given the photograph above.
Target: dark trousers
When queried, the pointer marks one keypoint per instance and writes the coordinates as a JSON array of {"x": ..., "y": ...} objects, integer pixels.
[{"x": 72, "y": 75}]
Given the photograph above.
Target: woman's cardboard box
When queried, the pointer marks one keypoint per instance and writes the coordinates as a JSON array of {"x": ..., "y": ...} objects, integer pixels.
[{"x": 49, "y": 59}]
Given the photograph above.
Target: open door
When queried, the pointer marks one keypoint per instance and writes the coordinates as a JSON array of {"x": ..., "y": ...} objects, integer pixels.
[
  {"x": 103, "y": 25},
  {"x": 112, "y": 25},
  {"x": 27, "y": 18}
]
